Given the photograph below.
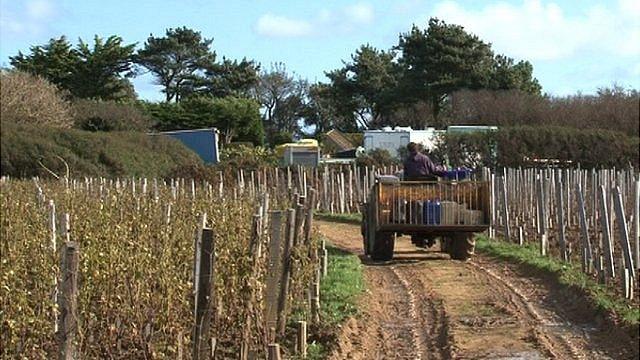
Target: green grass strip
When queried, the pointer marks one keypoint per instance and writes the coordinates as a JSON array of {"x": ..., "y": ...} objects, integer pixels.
[
  {"x": 339, "y": 292},
  {"x": 567, "y": 274},
  {"x": 353, "y": 218},
  {"x": 341, "y": 287}
]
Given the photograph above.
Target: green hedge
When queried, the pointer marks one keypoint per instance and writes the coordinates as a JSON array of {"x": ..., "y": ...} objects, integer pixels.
[
  {"x": 513, "y": 146},
  {"x": 87, "y": 153}
]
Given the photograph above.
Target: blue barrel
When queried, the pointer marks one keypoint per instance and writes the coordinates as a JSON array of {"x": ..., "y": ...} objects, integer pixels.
[
  {"x": 431, "y": 212},
  {"x": 458, "y": 174}
]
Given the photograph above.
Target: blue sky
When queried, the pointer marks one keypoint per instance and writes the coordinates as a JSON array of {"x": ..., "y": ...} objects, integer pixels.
[{"x": 575, "y": 46}]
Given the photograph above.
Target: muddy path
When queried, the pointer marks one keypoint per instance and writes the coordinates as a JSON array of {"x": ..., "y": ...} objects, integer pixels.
[{"x": 422, "y": 305}]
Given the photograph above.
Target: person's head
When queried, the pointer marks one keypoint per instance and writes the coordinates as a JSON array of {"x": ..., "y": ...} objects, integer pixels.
[{"x": 413, "y": 148}]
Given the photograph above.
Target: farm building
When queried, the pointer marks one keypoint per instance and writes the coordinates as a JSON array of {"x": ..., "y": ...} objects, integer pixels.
[
  {"x": 305, "y": 152},
  {"x": 203, "y": 142},
  {"x": 337, "y": 145},
  {"x": 392, "y": 139}
]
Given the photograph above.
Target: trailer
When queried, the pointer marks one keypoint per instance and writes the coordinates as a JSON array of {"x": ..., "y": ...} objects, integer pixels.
[{"x": 452, "y": 211}]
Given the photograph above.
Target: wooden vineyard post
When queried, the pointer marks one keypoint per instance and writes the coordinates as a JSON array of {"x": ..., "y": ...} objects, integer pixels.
[
  {"x": 68, "y": 302},
  {"x": 274, "y": 270},
  {"x": 273, "y": 352},
  {"x": 301, "y": 339},
  {"x": 505, "y": 207},
  {"x": 520, "y": 236},
  {"x": 560, "y": 213},
  {"x": 250, "y": 297},
  {"x": 606, "y": 233},
  {"x": 542, "y": 221},
  {"x": 308, "y": 224},
  {"x": 624, "y": 234},
  {"x": 54, "y": 247},
  {"x": 627, "y": 284},
  {"x": 315, "y": 298},
  {"x": 286, "y": 271},
  {"x": 299, "y": 223},
  {"x": 636, "y": 222},
  {"x": 325, "y": 259},
  {"x": 204, "y": 271},
  {"x": 587, "y": 252}
]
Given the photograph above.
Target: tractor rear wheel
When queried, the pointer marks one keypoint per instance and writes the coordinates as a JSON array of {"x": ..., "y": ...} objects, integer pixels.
[
  {"x": 383, "y": 246},
  {"x": 365, "y": 243},
  {"x": 445, "y": 242},
  {"x": 461, "y": 246}
]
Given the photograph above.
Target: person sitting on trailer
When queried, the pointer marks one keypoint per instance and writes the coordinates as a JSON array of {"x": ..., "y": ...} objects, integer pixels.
[{"x": 419, "y": 167}]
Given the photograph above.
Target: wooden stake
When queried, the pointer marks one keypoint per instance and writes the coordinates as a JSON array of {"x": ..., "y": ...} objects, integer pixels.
[
  {"x": 626, "y": 283},
  {"x": 584, "y": 230},
  {"x": 542, "y": 217},
  {"x": 67, "y": 302},
  {"x": 636, "y": 222},
  {"x": 561, "y": 220},
  {"x": 273, "y": 352},
  {"x": 301, "y": 339},
  {"x": 286, "y": 272},
  {"x": 274, "y": 268},
  {"x": 520, "y": 236},
  {"x": 203, "y": 297},
  {"x": 606, "y": 233},
  {"x": 624, "y": 234},
  {"x": 505, "y": 207},
  {"x": 308, "y": 224}
]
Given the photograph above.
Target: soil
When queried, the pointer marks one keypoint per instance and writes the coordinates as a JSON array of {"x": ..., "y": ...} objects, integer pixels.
[{"x": 423, "y": 305}]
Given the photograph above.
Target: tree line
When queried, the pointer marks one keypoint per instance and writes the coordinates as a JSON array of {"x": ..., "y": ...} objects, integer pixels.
[{"x": 434, "y": 76}]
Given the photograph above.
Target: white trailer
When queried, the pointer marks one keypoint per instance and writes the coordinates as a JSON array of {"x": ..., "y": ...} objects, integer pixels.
[{"x": 398, "y": 137}]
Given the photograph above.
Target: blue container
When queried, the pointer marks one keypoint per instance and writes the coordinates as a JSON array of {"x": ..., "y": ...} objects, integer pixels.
[
  {"x": 458, "y": 174},
  {"x": 203, "y": 142},
  {"x": 431, "y": 212}
]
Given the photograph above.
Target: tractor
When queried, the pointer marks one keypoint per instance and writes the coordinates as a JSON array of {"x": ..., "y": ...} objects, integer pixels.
[{"x": 451, "y": 210}]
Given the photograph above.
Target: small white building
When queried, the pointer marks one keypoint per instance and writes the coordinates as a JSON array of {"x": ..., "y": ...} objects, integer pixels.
[{"x": 398, "y": 137}]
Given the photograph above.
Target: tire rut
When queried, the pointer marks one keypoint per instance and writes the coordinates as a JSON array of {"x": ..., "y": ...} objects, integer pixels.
[
  {"x": 430, "y": 334},
  {"x": 422, "y": 305},
  {"x": 554, "y": 344}
]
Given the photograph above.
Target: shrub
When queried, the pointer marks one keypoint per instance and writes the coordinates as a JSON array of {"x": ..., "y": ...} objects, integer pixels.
[
  {"x": 612, "y": 108},
  {"x": 377, "y": 157},
  {"x": 516, "y": 146},
  {"x": 280, "y": 137},
  {"x": 94, "y": 115},
  {"x": 245, "y": 157},
  {"x": 30, "y": 99},
  {"x": 238, "y": 119},
  {"x": 26, "y": 149}
]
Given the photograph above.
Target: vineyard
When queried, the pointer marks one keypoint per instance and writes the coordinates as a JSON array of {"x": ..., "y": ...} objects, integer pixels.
[
  {"x": 176, "y": 269},
  {"x": 137, "y": 244}
]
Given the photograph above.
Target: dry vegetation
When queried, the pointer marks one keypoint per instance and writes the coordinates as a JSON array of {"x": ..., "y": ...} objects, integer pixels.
[
  {"x": 136, "y": 256},
  {"x": 30, "y": 99},
  {"x": 611, "y": 109}
]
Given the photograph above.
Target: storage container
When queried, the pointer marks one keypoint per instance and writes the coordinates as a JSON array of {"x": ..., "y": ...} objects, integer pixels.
[{"x": 431, "y": 212}]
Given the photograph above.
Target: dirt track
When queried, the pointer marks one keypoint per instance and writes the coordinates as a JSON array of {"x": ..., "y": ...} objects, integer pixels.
[{"x": 422, "y": 305}]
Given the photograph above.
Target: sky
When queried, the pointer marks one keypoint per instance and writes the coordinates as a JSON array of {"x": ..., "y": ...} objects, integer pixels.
[{"x": 574, "y": 46}]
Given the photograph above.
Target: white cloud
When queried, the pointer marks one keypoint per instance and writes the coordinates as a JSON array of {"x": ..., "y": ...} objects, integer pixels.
[
  {"x": 39, "y": 9},
  {"x": 29, "y": 17},
  {"x": 281, "y": 26},
  {"x": 326, "y": 21},
  {"x": 540, "y": 30},
  {"x": 360, "y": 13}
]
